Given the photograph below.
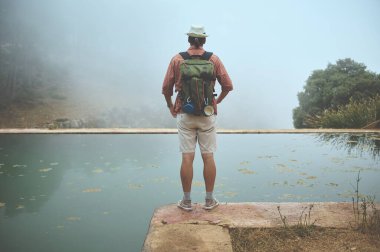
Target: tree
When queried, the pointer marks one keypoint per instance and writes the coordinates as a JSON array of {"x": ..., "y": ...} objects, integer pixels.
[{"x": 333, "y": 87}]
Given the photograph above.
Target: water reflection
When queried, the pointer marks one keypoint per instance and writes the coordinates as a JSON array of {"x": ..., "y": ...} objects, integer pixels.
[
  {"x": 28, "y": 175},
  {"x": 79, "y": 189},
  {"x": 354, "y": 143},
  {"x": 32, "y": 167}
]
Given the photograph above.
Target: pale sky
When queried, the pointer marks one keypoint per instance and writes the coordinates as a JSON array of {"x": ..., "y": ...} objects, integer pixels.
[{"x": 269, "y": 48}]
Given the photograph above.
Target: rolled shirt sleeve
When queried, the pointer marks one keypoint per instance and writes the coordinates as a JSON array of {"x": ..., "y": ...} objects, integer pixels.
[
  {"x": 221, "y": 74},
  {"x": 169, "y": 80}
]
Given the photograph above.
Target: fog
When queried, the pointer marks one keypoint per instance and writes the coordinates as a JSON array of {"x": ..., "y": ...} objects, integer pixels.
[{"x": 109, "y": 57}]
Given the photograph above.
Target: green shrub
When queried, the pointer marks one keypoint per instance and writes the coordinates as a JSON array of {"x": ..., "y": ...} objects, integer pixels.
[{"x": 356, "y": 114}]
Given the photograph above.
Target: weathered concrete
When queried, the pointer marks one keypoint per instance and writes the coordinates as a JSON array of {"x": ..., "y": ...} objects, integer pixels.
[
  {"x": 174, "y": 131},
  {"x": 172, "y": 229}
]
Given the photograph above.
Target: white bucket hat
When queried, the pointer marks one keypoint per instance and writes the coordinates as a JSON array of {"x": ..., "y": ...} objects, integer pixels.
[{"x": 197, "y": 32}]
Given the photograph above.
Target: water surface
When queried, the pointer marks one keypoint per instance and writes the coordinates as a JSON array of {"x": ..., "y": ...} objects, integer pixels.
[{"x": 98, "y": 192}]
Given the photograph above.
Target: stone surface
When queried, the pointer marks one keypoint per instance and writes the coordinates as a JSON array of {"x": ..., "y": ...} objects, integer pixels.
[
  {"x": 189, "y": 237},
  {"x": 174, "y": 131},
  {"x": 172, "y": 229}
]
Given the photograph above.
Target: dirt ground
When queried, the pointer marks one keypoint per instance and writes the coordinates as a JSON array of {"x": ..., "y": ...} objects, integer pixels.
[
  {"x": 39, "y": 113},
  {"x": 291, "y": 239}
]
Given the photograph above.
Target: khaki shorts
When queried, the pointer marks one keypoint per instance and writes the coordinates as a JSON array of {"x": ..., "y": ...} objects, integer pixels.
[{"x": 196, "y": 128}]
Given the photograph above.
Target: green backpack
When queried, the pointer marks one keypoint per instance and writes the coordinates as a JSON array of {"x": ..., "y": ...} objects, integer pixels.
[{"x": 197, "y": 92}]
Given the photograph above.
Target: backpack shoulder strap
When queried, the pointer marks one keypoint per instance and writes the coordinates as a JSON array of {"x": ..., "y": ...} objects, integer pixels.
[
  {"x": 185, "y": 55},
  {"x": 206, "y": 55}
]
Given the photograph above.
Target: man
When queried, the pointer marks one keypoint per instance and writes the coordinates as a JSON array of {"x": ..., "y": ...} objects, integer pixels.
[{"x": 193, "y": 128}]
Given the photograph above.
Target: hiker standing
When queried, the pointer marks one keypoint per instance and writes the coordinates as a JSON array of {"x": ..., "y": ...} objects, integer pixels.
[{"x": 192, "y": 74}]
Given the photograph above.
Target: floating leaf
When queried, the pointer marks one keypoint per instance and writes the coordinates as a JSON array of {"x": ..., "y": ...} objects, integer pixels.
[
  {"x": 53, "y": 164},
  {"x": 97, "y": 170},
  {"x": 60, "y": 227},
  {"x": 92, "y": 190},
  {"x": 284, "y": 168},
  {"x": 311, "y": 177},
  {"x": 246, "y": 171},
  {"x": 20, "y": 206},
  {"x": 332, "y": 184},
  {"x": 19, "y": 165},
  {"x": 2, "y": 204},
  {"x": 300, "y": 182},
  {"x": 245, "y": 163},
  {"x": 45, "y": 169},
  {"x": 73, "y": 218},
  {"x": 135, "y": 186}
]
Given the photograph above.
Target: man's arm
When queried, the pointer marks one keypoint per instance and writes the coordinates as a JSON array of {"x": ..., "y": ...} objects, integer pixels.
[
  {"x": 168, "y": 85},
  {"x": 223, "y": 78},
  {"x": 221, "y": 96},
  {"x": 170, "y": 105}
]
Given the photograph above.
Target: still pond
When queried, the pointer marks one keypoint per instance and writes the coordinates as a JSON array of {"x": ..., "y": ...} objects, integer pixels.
[{"x": 98, "y": 192}]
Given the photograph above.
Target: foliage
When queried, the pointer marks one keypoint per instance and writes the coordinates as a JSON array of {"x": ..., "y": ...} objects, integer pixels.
[
  {"x": 336, "y": 86},
  {"x": 26, "y": 64},
  {"x": 354, "y": 144},
  {"x": 366, "y": 214},
  {"x": 305, "y": 226},
  {"x": 356, "y": 114}
]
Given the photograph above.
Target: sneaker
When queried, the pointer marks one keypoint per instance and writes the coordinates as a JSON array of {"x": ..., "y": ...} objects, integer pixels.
[
  {"x": 185, "y": 205},
  {"x": 211, "y": 204}
]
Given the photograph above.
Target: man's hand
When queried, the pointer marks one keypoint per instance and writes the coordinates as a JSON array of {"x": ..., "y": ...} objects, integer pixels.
[
  {"x": 170, "y": 105},
  {"x": 221, "y": 96},
  {"x": 171, "y": 108}
]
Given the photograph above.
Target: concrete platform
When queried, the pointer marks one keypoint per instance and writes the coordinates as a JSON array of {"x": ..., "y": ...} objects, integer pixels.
[
  {"x": 174, "y": 131},
  {"x": 172, "y": 229}
]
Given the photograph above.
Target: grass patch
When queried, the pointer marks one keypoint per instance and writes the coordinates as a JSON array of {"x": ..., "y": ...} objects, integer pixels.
[
  {"x": 288, "y": 239},
  {"x": 364, "y": 234},
  {"x": 304, "y": 226},
  {"x": 366, "y": 215}
]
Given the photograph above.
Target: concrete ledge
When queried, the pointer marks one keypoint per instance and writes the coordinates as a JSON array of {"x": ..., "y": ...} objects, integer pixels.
[
  {"x": 172, "y": 229},
  {"x": 174, "y": 131}
]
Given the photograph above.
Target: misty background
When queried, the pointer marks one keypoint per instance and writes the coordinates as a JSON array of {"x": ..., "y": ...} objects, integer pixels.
[{"x": 107, "y": 59}]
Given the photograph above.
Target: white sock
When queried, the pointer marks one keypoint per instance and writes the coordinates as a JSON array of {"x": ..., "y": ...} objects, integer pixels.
[
  {"x": 209, "y": 195},
  {"x": 186, "y": 196}
]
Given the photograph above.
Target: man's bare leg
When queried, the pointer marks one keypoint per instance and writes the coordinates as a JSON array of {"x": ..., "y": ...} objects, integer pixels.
[
  {"x": 209, "y": 174},
  {"x": 187, "y": 171},
  {"x": 209, "y": 171}
]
